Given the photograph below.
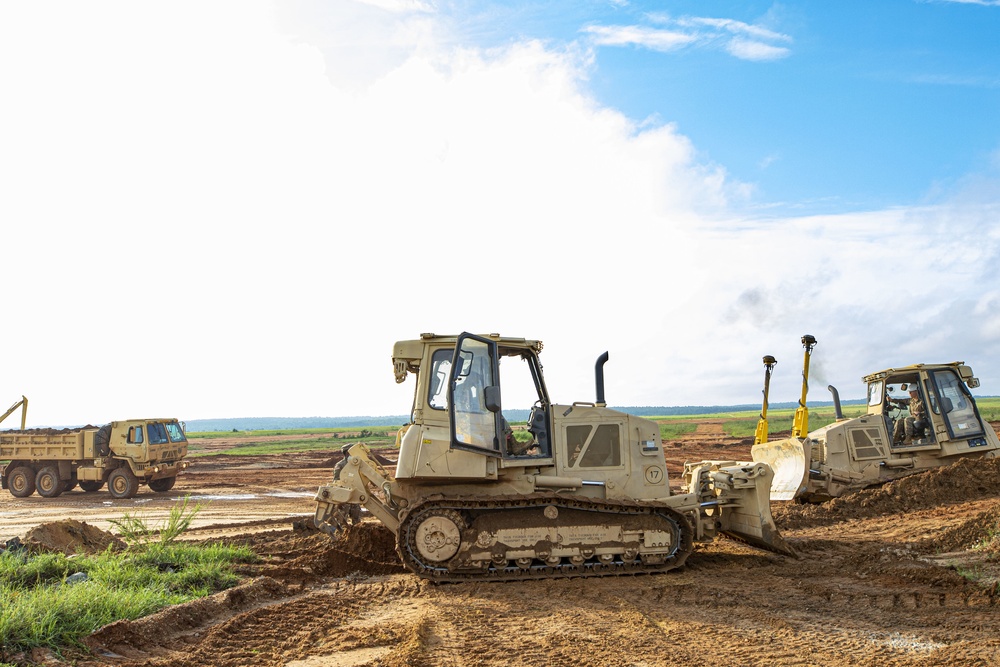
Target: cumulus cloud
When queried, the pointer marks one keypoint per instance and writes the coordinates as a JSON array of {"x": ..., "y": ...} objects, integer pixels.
[{"x": 254, "y": 232}]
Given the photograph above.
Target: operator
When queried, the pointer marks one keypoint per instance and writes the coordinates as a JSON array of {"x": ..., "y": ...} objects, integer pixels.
[{"x": 914, "y": 422}]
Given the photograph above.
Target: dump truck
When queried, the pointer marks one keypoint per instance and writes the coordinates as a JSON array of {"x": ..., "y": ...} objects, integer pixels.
[
  {"x": 581, "y": 490},
  {"x": 123, "y": 454},
  {"x": 918, "y": 417}
]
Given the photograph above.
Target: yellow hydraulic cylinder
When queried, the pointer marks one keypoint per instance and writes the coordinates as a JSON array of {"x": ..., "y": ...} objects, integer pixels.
[
  {"x": 800, "y": 424},
  {"x": 761, "y": 435}
]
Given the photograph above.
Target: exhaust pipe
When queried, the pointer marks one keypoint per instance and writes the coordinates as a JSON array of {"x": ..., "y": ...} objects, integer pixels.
[
  {"x": 836, "y": 402},
  {"x": 599, "y": 379}
]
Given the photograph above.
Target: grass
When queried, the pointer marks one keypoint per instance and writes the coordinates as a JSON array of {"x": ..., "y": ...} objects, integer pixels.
[
  {"x": 251, "y": 443},
  {"x": 989, "y": 408},
  {"x": 673, "y": 430},
  {"x": 41, "y": 608},
  {"x": 744, "y": 424}
]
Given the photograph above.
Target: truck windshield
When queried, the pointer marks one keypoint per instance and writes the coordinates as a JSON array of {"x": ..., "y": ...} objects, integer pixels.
[
  {"x": 157, "y": 434},
  {"x": 175, "y": 432}
]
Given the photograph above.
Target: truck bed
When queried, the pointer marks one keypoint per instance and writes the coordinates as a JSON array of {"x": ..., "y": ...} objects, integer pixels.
[{"x": 35, "y": 447}]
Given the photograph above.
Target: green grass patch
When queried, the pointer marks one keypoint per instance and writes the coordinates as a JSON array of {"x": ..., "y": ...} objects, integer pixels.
[
  {"x": 340, "y": 432},
  {"x": 42, "y": 608},
  {"x": 252, "y": 445},
  {"x": 672, "y": 430},
  {"x": 744, "y": 424},
  {"x": 989, "y": 408}
]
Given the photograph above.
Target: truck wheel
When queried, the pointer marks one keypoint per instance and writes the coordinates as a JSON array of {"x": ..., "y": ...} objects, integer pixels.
[
  {"x": 91, "y": 485},
  {"x": 47, "y": 482},
  {"x": 122, "y": 483},
  {"x": 21, "y": 482},
  {"x": 163, "y": 484}
]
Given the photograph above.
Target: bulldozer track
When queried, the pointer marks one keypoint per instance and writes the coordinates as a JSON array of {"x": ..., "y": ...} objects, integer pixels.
[{"x": 478, "y": 516}]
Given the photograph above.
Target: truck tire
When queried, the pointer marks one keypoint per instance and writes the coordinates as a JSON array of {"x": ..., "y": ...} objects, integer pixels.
[
  {"x": 69, "y": 485},
  {"x": 91, "y": 485},
  {"x": 102, "y": 440},
  {"x": 163, "y": 484},
  {"x": 21, "y": 482},
  {"x": 47, "y": 482},
  {"x": 122, "y": 483}
]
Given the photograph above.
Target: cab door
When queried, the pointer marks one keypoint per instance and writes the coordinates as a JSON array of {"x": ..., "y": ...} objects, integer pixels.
[{"x": 474, "y": 396}]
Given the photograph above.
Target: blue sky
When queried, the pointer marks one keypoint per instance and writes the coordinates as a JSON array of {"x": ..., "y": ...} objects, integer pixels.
[
  {"x": 822, "y": 106},
  {"x": 233, "y": 208}
]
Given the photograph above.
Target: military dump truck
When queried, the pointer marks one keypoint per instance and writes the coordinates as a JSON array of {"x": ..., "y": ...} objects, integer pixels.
[
  {"x": 123, "y": 454},
  {"x": 918, "y": 417},
  {"x": 582, "y": 490}
]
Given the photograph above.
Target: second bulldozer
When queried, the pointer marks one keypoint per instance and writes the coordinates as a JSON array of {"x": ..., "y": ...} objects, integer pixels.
[
  {"x": 918, "y": 417},
  {"x": 582, "y": 490}
]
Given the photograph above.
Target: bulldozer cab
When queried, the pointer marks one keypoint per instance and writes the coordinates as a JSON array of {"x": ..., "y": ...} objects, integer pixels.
[
  {"x": 467, "y": 381},
  {"x": 923, "y": 406}
]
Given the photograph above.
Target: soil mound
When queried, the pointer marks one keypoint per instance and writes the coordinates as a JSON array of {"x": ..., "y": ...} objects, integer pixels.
[
  {"x": 126, "y": 638},
  {"x": 367, "y": 549},
  {"x": 980, "y": 531},
  {"x": 966, "y": 479},
  {"x": 52, "y": 431},
  {"x": 70, "y": 536}
]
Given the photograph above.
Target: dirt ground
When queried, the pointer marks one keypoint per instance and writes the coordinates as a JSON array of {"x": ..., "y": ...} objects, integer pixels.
[{"x": 878, "y": 583}]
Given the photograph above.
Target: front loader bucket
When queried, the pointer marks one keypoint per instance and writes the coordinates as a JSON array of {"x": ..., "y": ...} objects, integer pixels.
[
  {"x": 744, "y": 490},
  {"x": 789, "y": 459}
]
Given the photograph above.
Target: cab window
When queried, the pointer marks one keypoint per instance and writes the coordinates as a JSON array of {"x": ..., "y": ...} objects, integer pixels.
[
  {"x": 157, "y": 434},
  {"x": 875, "y": 393},
  {"x": 590, "y": 447},
  {"x": 437, "y": 393},
  {"x": 175, "y": 432},
  {"x": 135, "y": 435},
  {"x": 951, "y": 399}
]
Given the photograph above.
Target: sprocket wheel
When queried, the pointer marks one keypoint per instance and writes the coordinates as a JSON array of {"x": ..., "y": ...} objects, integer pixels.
[{"x": 437, "y": 536}]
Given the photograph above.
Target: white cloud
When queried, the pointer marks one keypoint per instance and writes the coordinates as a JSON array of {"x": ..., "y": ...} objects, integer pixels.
[
  {"x": 746, "y": 49},
  {"x": 203, "y": 222},
  {"x": 741, "y": 40},
  {"x": 650, "y": 38}
]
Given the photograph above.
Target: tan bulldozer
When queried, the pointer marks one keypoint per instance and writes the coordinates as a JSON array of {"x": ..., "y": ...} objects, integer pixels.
[
  {"x": 918, "y": 417},
  {"x": 580, "y": 490}
]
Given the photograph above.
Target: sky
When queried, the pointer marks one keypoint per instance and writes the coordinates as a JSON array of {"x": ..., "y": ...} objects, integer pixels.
[{"x": 234, "y": 208}]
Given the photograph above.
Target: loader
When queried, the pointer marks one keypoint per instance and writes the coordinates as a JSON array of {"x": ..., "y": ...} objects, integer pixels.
[
  {"x": 918, "y": 417},
  {"x": 580, "y": 490}
]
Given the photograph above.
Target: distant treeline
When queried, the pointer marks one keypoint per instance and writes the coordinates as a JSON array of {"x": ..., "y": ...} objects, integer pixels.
[{"x": 277, "y": 423}]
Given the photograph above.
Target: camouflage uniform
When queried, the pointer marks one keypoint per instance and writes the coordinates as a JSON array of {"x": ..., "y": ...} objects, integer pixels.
[{"x": 908, "y": 426}]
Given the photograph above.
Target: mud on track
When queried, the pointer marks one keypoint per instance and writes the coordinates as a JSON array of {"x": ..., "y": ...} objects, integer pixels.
[{"x": 876, "y": 584}]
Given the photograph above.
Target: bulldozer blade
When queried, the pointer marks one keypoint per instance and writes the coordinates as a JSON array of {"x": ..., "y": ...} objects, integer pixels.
[
  {"x": 767, "y": 538},
  {"x": 749, "y": 519},
  {"x": 789, "y": 459}
]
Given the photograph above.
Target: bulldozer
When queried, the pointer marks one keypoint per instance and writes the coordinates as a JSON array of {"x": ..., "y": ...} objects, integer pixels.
[
  {"x": 918, "y": 417},
  {"x": 580, "y": 490}
]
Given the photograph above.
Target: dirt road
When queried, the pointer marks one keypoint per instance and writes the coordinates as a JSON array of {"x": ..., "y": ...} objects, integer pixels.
[{"x": 876, "y": 584}]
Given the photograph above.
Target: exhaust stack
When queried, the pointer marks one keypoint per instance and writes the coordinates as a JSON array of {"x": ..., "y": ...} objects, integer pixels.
[
  {"x": 599, "y": 379},
  {"x": 836, "y": 402}
]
